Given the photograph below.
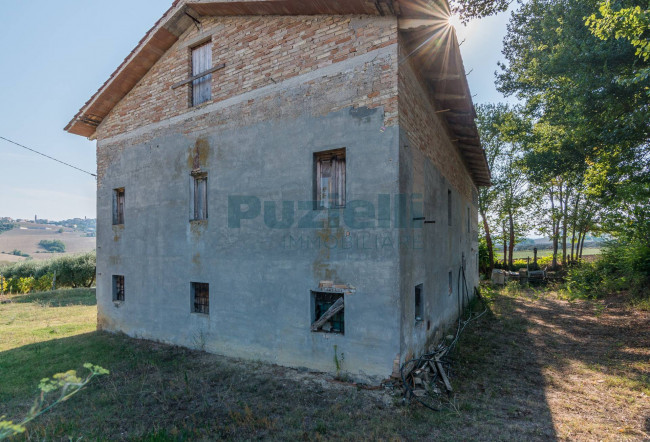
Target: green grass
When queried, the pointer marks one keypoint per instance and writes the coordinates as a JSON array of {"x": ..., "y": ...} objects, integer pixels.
[{"x": 161, "y": 392}]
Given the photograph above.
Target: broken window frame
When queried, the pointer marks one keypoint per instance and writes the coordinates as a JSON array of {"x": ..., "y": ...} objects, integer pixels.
[
  {"x": 333, "y": 164},
  {"x": 321, "y": 302},
  {"x": 198, "y": 196},
  {"x": 201, "y": 62},
  {"x": 200, "y": 299},
  {"x": 419, "y": 303},
  {"x": 119, "y": 198},
  {"x": 118, "y": 288}
]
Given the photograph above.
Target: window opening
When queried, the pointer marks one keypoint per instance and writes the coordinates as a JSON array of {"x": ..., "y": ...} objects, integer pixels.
[
  {"x": 330, "y": 179},
  {"x": 201, "y": 62},
  {"x": 118, "y": 288},
  {"x": 118, "y": 206},
  {"x": 201, "y": 298},
  {"x": 328, "y": 312}
]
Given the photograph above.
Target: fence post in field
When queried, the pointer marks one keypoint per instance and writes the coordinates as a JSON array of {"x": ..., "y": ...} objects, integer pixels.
[{"x": 54, "y": 281}]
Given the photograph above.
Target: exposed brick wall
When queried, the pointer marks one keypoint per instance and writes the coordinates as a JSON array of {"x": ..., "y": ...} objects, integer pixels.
[
  {"x": 257, "y": 51},
  {"x": 426, "y": 131}
]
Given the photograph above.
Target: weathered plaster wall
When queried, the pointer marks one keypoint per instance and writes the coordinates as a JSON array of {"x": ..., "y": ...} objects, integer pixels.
[
  {"x": 430, "y": 165},
  {"x": 259, "y": 143},
  {"x": 260, "y": 277}
]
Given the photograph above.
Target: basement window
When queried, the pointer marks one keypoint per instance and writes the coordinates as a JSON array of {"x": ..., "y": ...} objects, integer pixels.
[
  {"x": 329, "y": 179},
  {"x": 118, "y": 206},
  {"x": 199, "y": 196},
  {"x": 200, "y": 298},
  {"x": 118, "y": 287},
  {"x": 419, "y": 310},
  {"x": 449, "y": 207},
  {"x": 328, "y": 312},
  {"x": 201, "y": 62}
]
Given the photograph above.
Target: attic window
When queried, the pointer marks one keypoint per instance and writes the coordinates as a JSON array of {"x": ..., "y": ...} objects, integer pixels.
[
  {"x": 201, "y": 63},
  {"x": 328, "y": 312}
]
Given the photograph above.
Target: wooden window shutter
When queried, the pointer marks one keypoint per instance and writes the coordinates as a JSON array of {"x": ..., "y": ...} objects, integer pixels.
[{"x": 201, "y": 62}]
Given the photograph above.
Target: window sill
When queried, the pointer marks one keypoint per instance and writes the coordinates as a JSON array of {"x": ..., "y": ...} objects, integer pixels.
[
  {"x": 200, "y": 315},
  {"x": 323, "y": 332}
]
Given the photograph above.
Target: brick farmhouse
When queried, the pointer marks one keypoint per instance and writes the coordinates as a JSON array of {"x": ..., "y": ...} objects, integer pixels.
[{"x": 293, "y": 181}]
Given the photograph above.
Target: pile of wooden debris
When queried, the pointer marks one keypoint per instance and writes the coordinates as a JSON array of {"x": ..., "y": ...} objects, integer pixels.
[{"x": 425, "y": 379}]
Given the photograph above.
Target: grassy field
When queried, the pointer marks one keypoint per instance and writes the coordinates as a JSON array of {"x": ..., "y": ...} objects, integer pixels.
[
  {"x": 534, "y": 368},
  {"x": 523, "y": 254}
]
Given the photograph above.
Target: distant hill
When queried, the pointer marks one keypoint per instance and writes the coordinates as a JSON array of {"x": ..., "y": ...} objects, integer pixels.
[{"x": 25, "y": 236}]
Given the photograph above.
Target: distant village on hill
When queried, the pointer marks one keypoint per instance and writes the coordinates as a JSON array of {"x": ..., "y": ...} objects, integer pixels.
[{"x": 85, "y": 225}]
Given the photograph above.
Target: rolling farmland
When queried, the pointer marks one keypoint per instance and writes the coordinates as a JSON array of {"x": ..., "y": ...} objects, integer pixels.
[{"x": 26, "y": 236}]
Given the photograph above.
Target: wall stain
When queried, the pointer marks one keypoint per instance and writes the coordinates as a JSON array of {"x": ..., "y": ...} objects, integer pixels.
[
  {"x": 199, "y": 154},
  {"x": 321, "y": 265},
  {"x": 198, "y": 227}
]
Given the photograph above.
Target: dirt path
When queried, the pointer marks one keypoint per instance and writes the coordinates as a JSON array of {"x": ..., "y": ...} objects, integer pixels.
[{"x": 580, "y": 371}]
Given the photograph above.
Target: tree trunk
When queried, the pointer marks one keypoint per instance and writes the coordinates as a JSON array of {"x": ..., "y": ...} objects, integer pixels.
[
  {"x": 553, "y": 229},
  {"x": 511, "y": 248},
  {"x": 488, "y": 240},
  {"x": 565, "y": 221},
  {"x": 582, "y": 245},
  {"x": 574, "y": 222},
  {"x": 505, "y": 245}
]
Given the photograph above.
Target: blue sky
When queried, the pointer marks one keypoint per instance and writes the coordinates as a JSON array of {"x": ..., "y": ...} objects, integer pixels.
[{"x": 56, "y": 55}]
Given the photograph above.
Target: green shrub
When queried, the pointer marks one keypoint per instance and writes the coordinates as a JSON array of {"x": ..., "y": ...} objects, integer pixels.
[
  {"x": 17, "y": 252},
  {"x": 623, "y": 266},
  {"x": 54, "y": 246},
  {"x": 71, "y": 271}
]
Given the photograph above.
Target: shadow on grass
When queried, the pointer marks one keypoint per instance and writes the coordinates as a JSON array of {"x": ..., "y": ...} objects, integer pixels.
[
  {"x": 59, "y": 298},
  {"x": 164, "y": 392},
  {"x": 498, "y": 377}
]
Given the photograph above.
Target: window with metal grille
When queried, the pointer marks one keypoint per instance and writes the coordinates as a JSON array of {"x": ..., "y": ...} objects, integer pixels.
[
  {"x": 201, "y": 62},
  {"x": 118, "y": 206},
  {"x": 418, "y": 303},
  {"x": 199, "y": 197},
  {"x": 201, "y": 298},
  {"x": 322, "y": 302},
  {"x": 118, "y": 288},
  {"x": 329, "y": 179}
]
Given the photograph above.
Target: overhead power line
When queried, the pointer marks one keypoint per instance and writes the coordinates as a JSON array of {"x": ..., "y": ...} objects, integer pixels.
[{"x": 47, "y": 156}]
